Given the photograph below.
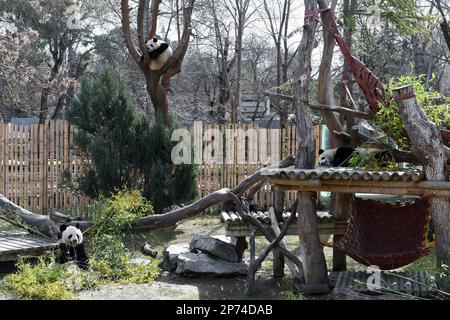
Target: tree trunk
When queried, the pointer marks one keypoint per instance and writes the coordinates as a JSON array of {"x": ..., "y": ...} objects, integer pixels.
[
  {"x": 427, "y": 144},
  {"x": 339, "y": 202},
  {"x": 311, "y": 251},
  {"x": 325, "y": 85},
  {"x": 278, "y": 257},
  {"x": 19, "y": 216},
  {"x": 158, "y": 94}
]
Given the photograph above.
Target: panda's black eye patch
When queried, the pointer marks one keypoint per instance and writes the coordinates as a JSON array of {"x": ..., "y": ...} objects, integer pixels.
[{"x": 70, "y": 236}]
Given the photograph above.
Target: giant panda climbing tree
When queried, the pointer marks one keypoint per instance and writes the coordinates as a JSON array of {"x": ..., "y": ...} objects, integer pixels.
[{"x": 158, "y": 81}]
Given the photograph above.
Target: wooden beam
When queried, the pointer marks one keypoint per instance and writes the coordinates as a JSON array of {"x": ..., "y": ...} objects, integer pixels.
[{"x": 440, "y": 190}]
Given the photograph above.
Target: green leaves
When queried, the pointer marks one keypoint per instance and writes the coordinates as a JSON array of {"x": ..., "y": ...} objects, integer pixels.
[{"x": 389, "y": 119}]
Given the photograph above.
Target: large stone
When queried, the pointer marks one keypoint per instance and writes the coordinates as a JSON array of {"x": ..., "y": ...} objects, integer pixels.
[
  {"x": 171, "y": 254},
  {"x": 204, "y": 264},
  {"x": 230, "y": 240},
  {"x": 215, "y": 247}
]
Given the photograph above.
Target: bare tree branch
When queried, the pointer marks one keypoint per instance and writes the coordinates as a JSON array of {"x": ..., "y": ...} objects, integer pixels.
[{"x": 134, "y": 53}]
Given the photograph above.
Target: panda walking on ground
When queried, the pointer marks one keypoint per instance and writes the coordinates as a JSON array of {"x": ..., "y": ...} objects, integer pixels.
[{"x": 159, "y": 52}]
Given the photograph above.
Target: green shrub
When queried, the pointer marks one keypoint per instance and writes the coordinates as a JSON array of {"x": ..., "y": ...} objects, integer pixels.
[
  {"x": 109, "y": 124},
  {"x": 389, "y": 119},
  {"x": 115, "y": 215},
  {"x": 110, "y": 259},
  {"x": 166, "y": 184},
  {"x": 39, "y": 282}
]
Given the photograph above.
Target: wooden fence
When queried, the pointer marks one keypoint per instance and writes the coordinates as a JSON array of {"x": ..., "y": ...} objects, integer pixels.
[
  {"x": 229, "y": 153},
  {"x": 38, "y": 162}
]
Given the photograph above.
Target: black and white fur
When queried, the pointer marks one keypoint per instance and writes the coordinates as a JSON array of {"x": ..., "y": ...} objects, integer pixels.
[
  {"x": 159, "y": 52},
  {"x": 337, "y": 157},
  {"x": 72, "y": 247}
]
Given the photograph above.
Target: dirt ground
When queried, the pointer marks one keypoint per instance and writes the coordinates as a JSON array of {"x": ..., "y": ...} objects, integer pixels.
[{"x": 170, "y": 286}]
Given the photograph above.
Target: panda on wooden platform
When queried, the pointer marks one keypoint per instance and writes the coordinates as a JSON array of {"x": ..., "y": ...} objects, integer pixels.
[
  {"x": 337, "y": 157},
  {"x": 159, "y": 52},
  {"x": 71, "y": 246}
]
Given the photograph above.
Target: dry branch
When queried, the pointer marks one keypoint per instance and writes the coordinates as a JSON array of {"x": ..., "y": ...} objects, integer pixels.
[
  {"x": 326, "y": 107},
  {"x": 221, "y": 196},
  {"x": 126, "y": 30}
]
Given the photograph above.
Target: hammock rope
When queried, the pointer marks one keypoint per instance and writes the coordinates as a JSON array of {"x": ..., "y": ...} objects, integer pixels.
[{"x": 387, "y": 235}]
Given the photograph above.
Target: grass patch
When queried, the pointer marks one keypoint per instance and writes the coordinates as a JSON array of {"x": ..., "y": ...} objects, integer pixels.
[
  {"x": 287, "y": 292},
  {"x": 39, "y": 282},
  {"x": 426, "y": 263}
]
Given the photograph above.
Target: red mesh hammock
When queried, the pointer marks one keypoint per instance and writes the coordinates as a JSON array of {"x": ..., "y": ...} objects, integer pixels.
[{"x": 387, "y": 235}]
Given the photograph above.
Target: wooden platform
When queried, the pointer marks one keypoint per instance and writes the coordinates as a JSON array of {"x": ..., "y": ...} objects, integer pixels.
[
  {"x": 235, "y": 227},
  {"x": 15, "y": 244},
  {"x": 354, "y": 180},
  {"x": 416, "y": 284}
]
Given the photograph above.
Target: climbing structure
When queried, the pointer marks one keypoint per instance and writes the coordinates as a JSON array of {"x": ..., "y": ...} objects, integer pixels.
[{"x": 389, "y": 235}]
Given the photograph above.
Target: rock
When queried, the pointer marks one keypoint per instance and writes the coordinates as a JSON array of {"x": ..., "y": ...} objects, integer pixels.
[
  {"x": 230, "y": 240},
  {"x": 137, "y": 261},
  {"x": 171, "y": 254},
  {"x": 149, "y": 251},
  {"x": 215, "y": 247},
  {"x": 201, "y": 263}
]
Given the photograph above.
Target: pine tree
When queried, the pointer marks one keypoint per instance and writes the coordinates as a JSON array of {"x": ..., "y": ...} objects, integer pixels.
[
  {"x": 166, "y": 184},
  {"x": 108, "y": 124},
  {"x": 124, "y": 149}
]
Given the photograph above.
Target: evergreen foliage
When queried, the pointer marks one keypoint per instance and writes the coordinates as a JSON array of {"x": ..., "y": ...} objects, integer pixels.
[
  {"x": 124, "y": 149},
  {"x": 166, "y": 184}
]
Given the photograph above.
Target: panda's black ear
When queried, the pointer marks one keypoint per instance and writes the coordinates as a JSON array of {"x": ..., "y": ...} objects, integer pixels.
[
  {"x": 321, "y": 151},
  {"x": 62, "y": 228},
  {"x": 155, "y": 39},
  {"x": 77, "y": 225}
]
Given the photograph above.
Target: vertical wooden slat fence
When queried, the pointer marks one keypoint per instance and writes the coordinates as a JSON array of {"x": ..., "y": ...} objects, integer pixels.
[
  {"x": 238, "y": 151},
  {"x": 36, "y": 160}
]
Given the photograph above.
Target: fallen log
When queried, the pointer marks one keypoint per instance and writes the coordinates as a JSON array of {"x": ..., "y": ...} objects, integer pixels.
[
  {"x": 60, "y": 218},
  {"x": 220, "y": 196},
  {"x": 21, "y": 217},
  {"x": 47, "y": 225}
]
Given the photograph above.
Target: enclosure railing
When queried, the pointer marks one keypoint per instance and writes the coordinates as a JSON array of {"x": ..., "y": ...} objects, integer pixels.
[{"x": 39, "y": 166}]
